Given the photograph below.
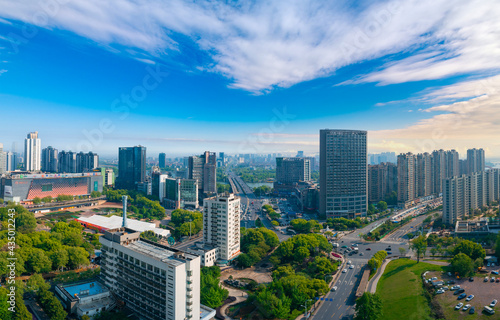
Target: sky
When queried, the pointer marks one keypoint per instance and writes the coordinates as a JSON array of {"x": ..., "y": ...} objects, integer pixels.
[{"x": 183, "y": 77}]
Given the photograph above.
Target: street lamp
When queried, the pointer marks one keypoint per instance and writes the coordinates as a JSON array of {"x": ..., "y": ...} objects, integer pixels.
[{"x": 305, "y": 306}]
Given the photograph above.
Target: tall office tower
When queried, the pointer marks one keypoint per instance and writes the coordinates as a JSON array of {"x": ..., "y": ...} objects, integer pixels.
[
  {"x": 3, "y": 160},
  {"x": 292, "y": 170},
  {"x": 49, "y": 159},
  {"x": 131, "y": 167},
  {"x": 452, "y": 163},
  {"x": 222, "y": 158},
  {"x": 162, "y": 160},
  {"x": 475, "y": 160},
  {"x": 154, "y": 281},
  {"x": 343, "y": 173},
  {"x": 462, "y": 167},
  {"x": 456, "y": 198},
  {"x": 406, "y": 178},
  {"x": 203, "y": 168},
  {"x": 423, "y": 168},
  {"x": 180, "y": 193},
  {"x": 300, "y": 154},
  {"x": 66, "y": 162},
  {"x": 86, "y": 162},
  {"x": 32, "y": 152},
  {"x": 158, "y": 184},
  {"x": 221, "y": 225},
  {"x": 12, "y": 159},
  {"x": 438, "y": 161}
]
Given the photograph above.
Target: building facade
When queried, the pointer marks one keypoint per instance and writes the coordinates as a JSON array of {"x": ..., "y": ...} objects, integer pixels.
[
  {"x": 203, "y": 168},
  {"x": 292, "y": 170},
  {"x": 50, "y": 159},
  {"x": 155, "y": 281},
  {"x": 131, "y": 167},
  {"x": 32, "y": 152},
  {"x": 221, "y": 225},
  {"x": 162, "y": 160},
  {"x": 475, "y": 160},
  {"x": 343, "y": 173},
  {"x": 406, "y": 179},
  {"x": 67, "y": 162},
  {"x": 382, "y": 181}
]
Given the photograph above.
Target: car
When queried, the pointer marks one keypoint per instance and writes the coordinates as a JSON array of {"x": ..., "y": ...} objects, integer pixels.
[
  {"x": 334, "y": 289},
  {"x": 388, "y": 249},
  {"x": 472, "y": 310},
  {"x": 451, "y": 282},
  {"x": 498, "y": 280},
  {"x": 344, "y": 246},
  {"x": 449, "y": 274},
  {"x": 458, "y": 306},
  {"x": 368, "y": 249},
  {"x": 471, "y": 279},
  {"x": 493, "y": 303},
  {"x": 486, "y": 279},
  {"x": 461, "y": 296},
  {"x": 469, "y": 298},
  {"x": 349, "y": 262},
  {"x": 351, "y": 266},
  {"x": 344, "y": 271},
  {"x": 467, "y": 306},
  {"x": 455, "y": 287},
  {"x": 445, "y": 288},
  {"x": 434, "y": 278},
  {"x": 488, "y": 265},
  {"x": 361, "y": 254},
  {"x": 440, "y": 291},
  {"x": 354, "y": 244},
  {"x": 389, "y": 252},
  {"x": 494, "y": 272},
  {"x": 459, "y": 291},
  {"x": 492, "y": 279}
]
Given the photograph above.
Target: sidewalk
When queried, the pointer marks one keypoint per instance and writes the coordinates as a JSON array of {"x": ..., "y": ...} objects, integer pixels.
[{"x": 372, "y": 284}]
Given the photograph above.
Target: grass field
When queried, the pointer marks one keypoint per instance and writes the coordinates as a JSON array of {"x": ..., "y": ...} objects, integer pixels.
[{"x": 400, "y": 288}]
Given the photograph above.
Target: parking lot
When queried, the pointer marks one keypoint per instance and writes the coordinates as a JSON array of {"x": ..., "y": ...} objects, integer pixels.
[{"x": 484, "y": 293}]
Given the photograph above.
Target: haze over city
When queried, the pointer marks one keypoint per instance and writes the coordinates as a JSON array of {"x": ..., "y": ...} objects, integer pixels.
[{"x": 418, "y": 76}]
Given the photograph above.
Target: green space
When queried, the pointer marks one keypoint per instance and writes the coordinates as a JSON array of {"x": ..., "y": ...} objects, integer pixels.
[
  {"x": 255, "y": 245},
  {"x": 253, "y": 175},
  {"x": 401, "y": 290}
]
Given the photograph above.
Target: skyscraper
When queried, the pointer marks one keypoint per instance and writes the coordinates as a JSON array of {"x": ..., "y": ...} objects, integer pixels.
[
  {"x": 423, "y": 168},
  {"x": 203, "y": 168},
  {"x": 343, "y": 173},
  {"x": 49, "y": 159},
  {"x": 131, "y": 167},
  {"x": 438, "y": 162},
  {"x": 452, "y": 163},
  {"x": 66, "y": 162},
  {"x": 221, "y": 225},
  {"x": 162, "y": 160},
  {"x": 406, "y": 178},
  {"x": 12, "y": 159},
  {"x": 32, "y": 152},
  {"x": 86, "y": 162},
  {"x": 382, "y": 181},
  {"x": 3, "y": 160},
  {"x": 292, "y": 170},
  {"x": 475, "y": 160}
]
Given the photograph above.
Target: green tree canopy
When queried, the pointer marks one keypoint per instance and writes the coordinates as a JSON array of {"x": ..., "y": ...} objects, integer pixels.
[
  {"x": 368, "y": 307},
  {"x": 471, "y": 249},
  {"x": 419, "y": 245},
  {"x": 462, "y": 264}
]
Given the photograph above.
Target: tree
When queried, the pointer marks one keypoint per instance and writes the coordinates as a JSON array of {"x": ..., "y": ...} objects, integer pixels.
[
  {"x": 59, "y": 258},
  {"x": 37, "y": 200},
  {"x": 35, "y": 283},
  {"x": 472, "y": 249},
  {"x": 51, "y": 305},
  {"x": 402, "y": 251},
  {"x": 419, "y": 245},
  {"x": 497, "y": 246},
  {"x": 95, "y": 194},
  {"x": 462, "y": 264},
  {"x": 368, "y": 307},
  {"x": 275, "y": 223},
  {"x": 244, "y": 260},
  {"x": 77, "y": 257},
  {"x": 39, "y": 262},
  {"x": 301, "y": 254},
  {"x": 382, "y": 206},
  {"x": 211, "y": 292}
]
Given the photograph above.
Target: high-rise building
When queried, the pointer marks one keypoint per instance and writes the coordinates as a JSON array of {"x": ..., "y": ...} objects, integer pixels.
[
  {"x": 462, "y": 167},
  {"x": 32, "y": 152},
  {"x": 300, "y": 154},
  {"x": 382, "y": 181},
  {"x": 66, "y": 162},
  {"x": 86, "y": 162},
  {"x": 343, "y": 173},
  {"x": 438, "y": 162},
  {"x": 452, "y": 163},
  {"x": 203, "y": 168},
  {"x": 3, "y": 160},
  {"x": 222, "y": 158},
  {"x": 475, "y": 160},
  {"x": 292, "y": 170},
  {"x": 49, "y": 159},
  {"x": 180, "y": 193},
  {"x": 162, "y": 160},
  {"x": 154, "y": 281},
  {"x": 423, "y": 176},
  {"x": 12, "y": 160},
  {"x": 131, "y": 167},
  {"x": 221, "y": 225},
  {"x": 406, "y": 178}
]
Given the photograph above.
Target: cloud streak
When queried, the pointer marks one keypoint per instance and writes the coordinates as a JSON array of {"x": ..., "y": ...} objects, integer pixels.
[{"x": 263, "y": 45}]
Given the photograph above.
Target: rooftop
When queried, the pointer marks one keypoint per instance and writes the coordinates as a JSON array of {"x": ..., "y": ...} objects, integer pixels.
[
  {"x": 85, "y": 289},
  {"x": 115, "y": 222},
  {"x": 160, "y": 253}
]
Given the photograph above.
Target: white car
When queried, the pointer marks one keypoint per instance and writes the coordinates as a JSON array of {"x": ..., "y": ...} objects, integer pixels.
[
  {"x": 349, "y": 262},
  {"x": 445, "y": 288},
  {"x": 455, "y": 287},
  {"x": 344, "y": 271},
  {"x": 469, "y": 298},
  {"x": 434, "y": 278},
  {"x": 467, "y": 306},
  {"x": 440, "y": 291},
  {"x": 351, "y": 266},
  {"x": 458, "y": 306},
  {"x": 334, "y": 288},
  {"x": 493, "y": 303}
]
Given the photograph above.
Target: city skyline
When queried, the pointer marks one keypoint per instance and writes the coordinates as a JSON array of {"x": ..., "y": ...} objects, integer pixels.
[{"x": 415, "y": 81}]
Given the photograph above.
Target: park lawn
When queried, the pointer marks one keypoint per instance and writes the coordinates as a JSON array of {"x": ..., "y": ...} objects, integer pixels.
[{"x": 400, "y": 288}]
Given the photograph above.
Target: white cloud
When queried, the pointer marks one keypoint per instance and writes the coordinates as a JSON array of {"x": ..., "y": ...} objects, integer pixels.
[
  {"x": 2, "y": 71},
  {"x": 259, "y": 46}
]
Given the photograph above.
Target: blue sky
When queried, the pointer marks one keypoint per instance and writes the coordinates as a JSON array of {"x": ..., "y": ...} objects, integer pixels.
[{"x": 182, "y": 78}]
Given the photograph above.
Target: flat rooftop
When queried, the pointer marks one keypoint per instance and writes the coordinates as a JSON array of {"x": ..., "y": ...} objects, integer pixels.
[
  {"x": 159, "y": 252},
  {"x": 115, "y": 222},
  {"x": 92, "y": 287}
]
